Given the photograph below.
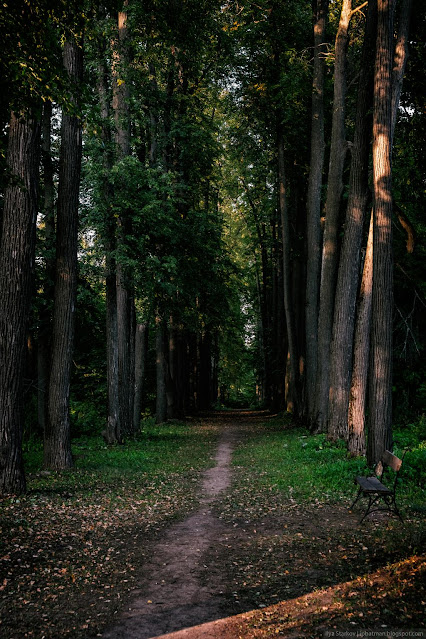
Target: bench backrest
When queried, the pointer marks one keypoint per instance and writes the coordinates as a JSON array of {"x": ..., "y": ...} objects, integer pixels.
[{"x": 391, "y": 460}]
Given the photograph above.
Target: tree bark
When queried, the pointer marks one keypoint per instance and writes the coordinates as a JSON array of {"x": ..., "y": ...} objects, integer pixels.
[
  {"x": 361, "y": 356},
  {"x": 380, "y": 402},
  {"x": 292, "y": 392},
  {"x": 112, "y": 432},
  {"x": 120, "y": 104},
  {"x": 349, "y": 264},
  {"x": 45, "y": 318},
  {"x": 57, "y": 446},
  {"x": 356, "y": 419},
  {"x": 141, "y": 348},
  {"x": 17, "y": 242},
  {"x": 313, "y": 225},
  {"x": 161, "y": 369},
  {"x": 332, "y": 207}
]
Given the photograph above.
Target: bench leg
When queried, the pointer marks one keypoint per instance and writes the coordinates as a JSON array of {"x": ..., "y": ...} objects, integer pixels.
[
  {"x": 392, "y": 507},
  {"x": 390, "y": 502},
  {"x": 371, "y": 502},
  {"x": 356, "y": 498}
]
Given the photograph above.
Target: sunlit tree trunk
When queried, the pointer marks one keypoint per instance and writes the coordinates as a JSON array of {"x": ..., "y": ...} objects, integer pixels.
[
  {"x": 357, "y": 404},
  {"x": 349, "y": 264},
  {"x": 16, "y": 263},
  {"x": 313, "y": 228},
  {"x": 57, "y": 444},
  {"x": 358, "y": 390},
  {"x": 380, "y": 399},
  {"x": 332, "y": 207}
]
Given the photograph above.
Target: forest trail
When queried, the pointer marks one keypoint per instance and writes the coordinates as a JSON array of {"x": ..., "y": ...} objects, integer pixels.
[
  {"x": 178, "y": 589},
  {"x": 255, "y": 566}
]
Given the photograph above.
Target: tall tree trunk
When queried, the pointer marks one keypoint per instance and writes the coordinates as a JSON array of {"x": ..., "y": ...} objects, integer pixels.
[
  {"x": 332, "y": 207},
  {"x": 205, "y": 371},
  {"x": 349, "y": 265},
  {"x": 45, "y": 319},
  {"x": 292, "y": 393},
  {"x": 112, "y": 432},
  {"x": 120, "y": 105},
  {"x": 361, "y": 355},
  {"x": 161, "y": 369},
  {"x": 380, "y": 402},
  {"x": 170, "y": 371},
  {"x": 357, "y": 404},
  {"x": 181, "y": 375},
  {"x": 57, "y": 445},
  {"x": 313, "y": 267},
  {"x": 141, "y": 349},
  {"x": 16, "y": 263}
]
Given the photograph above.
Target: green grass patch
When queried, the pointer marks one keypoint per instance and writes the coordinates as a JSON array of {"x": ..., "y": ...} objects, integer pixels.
[
  {"x": 309, "y": 468},
  {"x": 161, "y": 453}
]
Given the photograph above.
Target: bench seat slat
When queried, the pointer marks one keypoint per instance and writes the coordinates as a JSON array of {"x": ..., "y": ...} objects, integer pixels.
[{"x": 372, "y": 485}]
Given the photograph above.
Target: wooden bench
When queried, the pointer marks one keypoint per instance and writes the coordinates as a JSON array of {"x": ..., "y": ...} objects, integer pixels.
[{"x": 376, "y": 491}]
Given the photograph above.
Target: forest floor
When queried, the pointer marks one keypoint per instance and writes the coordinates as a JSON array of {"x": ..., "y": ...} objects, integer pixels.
[{"x": 218, "y": 552}]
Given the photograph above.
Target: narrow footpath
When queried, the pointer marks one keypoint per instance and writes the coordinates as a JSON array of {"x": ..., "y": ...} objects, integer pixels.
[{"x": 179, "y": 590}]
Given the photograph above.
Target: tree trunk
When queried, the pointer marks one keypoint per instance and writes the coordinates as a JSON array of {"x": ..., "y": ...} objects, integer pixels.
[
  {"x": 45, "y": 318},
  {"x": 161, "y": 366},
  {"x": 120, "y": 105},
  {"x": 170, "y": 371},
  {"x": 356, "y": 419},
  {"x": 349, "y": 266},
  {"x": 16, "y": 263},
  {"x": 361, "y": 356},
  {"x": 193, "y": 371},
  {"x": 332, "y": 207},
  {"x": 205, "y": 371},
  {"x": 292, "y": 393},
  {"x": 57, "y": 448},
  {"x": 380, "y": 404},
  {"x": 313, "y": 226},
  {"x": 112, "y": 433},
  {"x": 141, "y": 349}
]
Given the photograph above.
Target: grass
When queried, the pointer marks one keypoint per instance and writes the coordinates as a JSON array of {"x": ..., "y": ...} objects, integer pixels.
[
  {"x": 309, "y": 468},
  {"x": 161, "y": 453}
]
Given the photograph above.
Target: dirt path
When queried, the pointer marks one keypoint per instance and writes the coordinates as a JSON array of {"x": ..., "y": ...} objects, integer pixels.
[{"x": 179, "y": 590}]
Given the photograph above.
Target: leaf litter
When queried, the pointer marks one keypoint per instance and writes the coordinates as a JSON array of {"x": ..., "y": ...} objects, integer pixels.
[{"x": 70, "y": 561}]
